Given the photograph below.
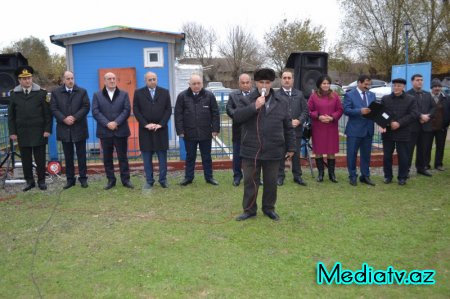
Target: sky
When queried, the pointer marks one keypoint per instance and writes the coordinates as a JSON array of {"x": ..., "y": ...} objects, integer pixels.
[{"x": 49, "y": 17}]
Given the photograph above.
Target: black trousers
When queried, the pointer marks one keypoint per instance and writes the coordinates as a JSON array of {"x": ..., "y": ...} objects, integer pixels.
[
  {"x": 439, "y": 136},
  {"x": 27, "y": 152},
  {"x": 191, "y": 156},
  {"x": 252, "y": 175},
  {"x": 296, "y": 167},
  {"x": 80, "y": 148},
  {"x": 121, "y": 146},
  {"x": 402, "y": 155},
  {"x": 422, "y": 141}
]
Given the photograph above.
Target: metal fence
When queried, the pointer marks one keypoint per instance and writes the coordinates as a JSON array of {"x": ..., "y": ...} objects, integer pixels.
[{"x": 222, "y": 145}]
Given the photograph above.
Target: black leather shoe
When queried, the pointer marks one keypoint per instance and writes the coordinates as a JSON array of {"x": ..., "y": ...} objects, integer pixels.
[
  {"x": 387, "y": 180},
  {"x": 110, "y": 185},
  {"x": 402, "y": 182},
  {"x": 440, "y": 168},
  {"x": 236, "y": 182},
  {"x": 84, "y": 185},
  {"x": 164, "y": 184},
  {"x": 29, "y": 187},
  {"x": 280, "y": 181},
  {"x": 212, "y": 182},
  {"x": 353, "y": 182},
  {"x": 272, "y": 215},
  {"x": 300, "y": 181},
  {"x": 186, "y": 182},
  {"x": 128, "y": 185},
  {"x": 366, "y": 180},
  {"x": 42, "y": 186},
  {"x": 245, "y": 216},
  {"x": 68, "y": 185},
  {"x": 424, "y": 172}
]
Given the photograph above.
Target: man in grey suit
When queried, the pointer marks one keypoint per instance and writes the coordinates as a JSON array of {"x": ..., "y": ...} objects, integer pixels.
[
  {"x": 245, "y": 86},
  {"x": 111, "y": 109},
  {"x": 298, "y": 109},
  {"x": 70, "y": 106}
]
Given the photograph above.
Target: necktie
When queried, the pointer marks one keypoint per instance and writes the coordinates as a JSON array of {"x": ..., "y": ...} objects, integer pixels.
[
  {"x": 288, "y": 93},
  {"x": 364, "y": 98},
  {"x": 152, "y": 91},
  {"x": 69, "y": 91},
  {"x": 26, "y": 92}
]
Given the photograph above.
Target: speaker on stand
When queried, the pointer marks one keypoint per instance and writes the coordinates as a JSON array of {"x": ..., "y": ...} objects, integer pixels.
[
  {"x": 308, "y": 67},
  {"x": 8, "y": 65}
]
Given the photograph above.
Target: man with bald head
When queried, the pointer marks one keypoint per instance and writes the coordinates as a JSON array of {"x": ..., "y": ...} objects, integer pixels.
[
  {"x": 111, "y": 109},
  {"x": 70, "y": 105},
  {"x": 245, "y": 86},
  {"x": 152, "y": 109},
  {"x": 197, "y": 120}
]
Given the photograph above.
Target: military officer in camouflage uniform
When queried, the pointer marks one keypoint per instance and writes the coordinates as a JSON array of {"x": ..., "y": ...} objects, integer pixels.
[{"x": 30, "y": 123}]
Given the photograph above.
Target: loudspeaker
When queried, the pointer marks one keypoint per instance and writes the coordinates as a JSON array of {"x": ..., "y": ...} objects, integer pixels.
[
  {"x": 308, "y": 67},
  {"x": 8, "y": 65}
]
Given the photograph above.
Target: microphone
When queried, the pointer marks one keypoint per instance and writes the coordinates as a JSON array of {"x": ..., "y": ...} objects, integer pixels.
[{"x": 263, "y": 92}]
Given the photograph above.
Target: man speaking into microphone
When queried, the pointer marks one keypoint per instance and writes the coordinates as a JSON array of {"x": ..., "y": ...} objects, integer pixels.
[{"x": 267, "y": 136}]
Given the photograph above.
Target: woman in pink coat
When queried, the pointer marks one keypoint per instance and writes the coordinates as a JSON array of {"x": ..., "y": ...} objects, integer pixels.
[{"x": 325, "y": 109}]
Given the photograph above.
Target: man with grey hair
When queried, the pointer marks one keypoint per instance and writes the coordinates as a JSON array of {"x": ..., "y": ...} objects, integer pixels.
[
  {"x": 245, "y": 86},
  {"x": 111, "y": 109},
  {"x": 70, "y": 105},
  {"x": 197, "y": 120}
]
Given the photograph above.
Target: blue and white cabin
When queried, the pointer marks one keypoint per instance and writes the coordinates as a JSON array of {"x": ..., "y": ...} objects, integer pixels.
[{"x": 129, "y": 53}]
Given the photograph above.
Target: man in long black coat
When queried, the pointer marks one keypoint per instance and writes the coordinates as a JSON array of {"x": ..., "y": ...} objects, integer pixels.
[
  {"x": 152, "y": 109},
  {"x": 30, "y": 123},
  {"x": 70, "y": 106}
]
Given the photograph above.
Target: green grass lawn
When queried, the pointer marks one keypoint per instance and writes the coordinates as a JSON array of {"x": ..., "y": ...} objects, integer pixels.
[{"x": 183, "y": 242}]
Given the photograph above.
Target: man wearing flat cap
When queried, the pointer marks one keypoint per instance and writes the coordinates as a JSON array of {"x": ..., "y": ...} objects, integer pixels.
[
  {"x": 267, "y": 137},
  {"x": 30, "y": 123},
  {"x": 397, "y": 134}
]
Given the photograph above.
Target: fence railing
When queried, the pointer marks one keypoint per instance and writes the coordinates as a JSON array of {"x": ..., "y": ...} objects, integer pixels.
[{"x": 222, "y": 146}]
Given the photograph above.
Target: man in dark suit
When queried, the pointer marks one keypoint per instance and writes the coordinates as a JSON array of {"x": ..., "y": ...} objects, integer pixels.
[
  {"x": 197, "y": 120},
  {"x": 245, "y": 86},
  {"x": 70, "y": 106},
  {"x": 421, "y": 130},
  {"x": 397, "y": 134},
  {"x": 359, "y": 130},
  {"x": 267, "y": 138},
  {"x": 30, "y": 123},
  {"x": 111, "y": 109},
  {"x": 298, "y": 109},
  {"x": 152, "y": 109}
]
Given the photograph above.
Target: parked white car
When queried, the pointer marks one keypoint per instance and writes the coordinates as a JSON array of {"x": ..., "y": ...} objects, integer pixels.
[{"x": 381, "y": 91}]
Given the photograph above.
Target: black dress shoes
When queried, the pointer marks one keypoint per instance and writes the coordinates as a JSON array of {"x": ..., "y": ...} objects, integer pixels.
[
  {"x": 245, "y": 216},
  {"x": 212, "y": 182},
  {"x": 164, "y": 184},
  {"x": 236, "y": 182},
  {"x": 29, "y": 187},
  {"x": 424, "y": 172},
  {"x": 280, "y": 181},
  {"x": 42, "y": 186},
  {"x": 186, "y": 182},
  {"x": 272, "y": 215},
  {"x": 300, "y": 181},
  {"x": 402, "y": 182},
  {"x": 110, "y": 185},
  {"x": 84, "y": 185},
  {"x": 387, "y": 180},
  {"x": 353, "y": 182},
  {"x": 440, "y": 168},
  {"x": 366, "y": 180},
  {"x": 128, "y": 185},
  {"x": 69, "y": 185}
]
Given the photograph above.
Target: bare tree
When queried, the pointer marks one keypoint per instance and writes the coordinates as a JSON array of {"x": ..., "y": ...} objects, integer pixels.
[
  {"x": 374, "y": 30},
  {"x": 288, "y": 37},
  {"x": 241, "y": 50}
]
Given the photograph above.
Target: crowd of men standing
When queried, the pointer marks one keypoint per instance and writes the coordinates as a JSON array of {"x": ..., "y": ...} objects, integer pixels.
[{"x": 267, "y": 129}]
